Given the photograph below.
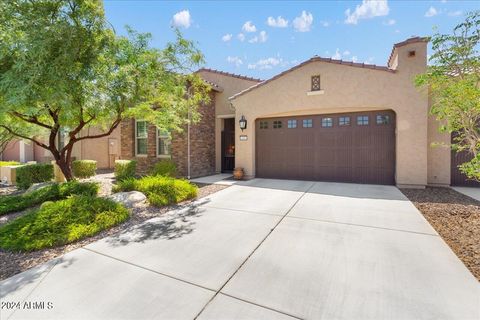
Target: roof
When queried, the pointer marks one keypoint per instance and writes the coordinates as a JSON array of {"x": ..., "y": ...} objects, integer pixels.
[
  {"x": 214, "y": 86},
  {"x": 314, "y": 59},
  {"x": 238, "y": 76},
  {"x": 403, "y": 43}
]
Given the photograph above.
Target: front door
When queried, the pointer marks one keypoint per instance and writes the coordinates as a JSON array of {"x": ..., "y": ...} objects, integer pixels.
[{"x": 228, "y": 145}]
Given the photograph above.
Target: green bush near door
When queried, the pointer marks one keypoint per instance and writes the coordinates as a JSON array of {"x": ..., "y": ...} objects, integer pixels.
[
  {"x": 166, "y": 168},
  {"x": 125, "y": 169},
  {"x": 33, "y": 173},
  {"x": 84, "y": 168}
]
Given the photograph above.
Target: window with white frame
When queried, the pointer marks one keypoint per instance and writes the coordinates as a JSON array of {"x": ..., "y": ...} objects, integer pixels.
[
  {"x": 141, "y": 137},
  {"x": 163, "y": 143}
]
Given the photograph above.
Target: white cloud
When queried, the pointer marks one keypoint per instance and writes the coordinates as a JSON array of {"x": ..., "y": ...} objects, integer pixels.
[
  {"x": 325, "y": 23},
  {"x": 235, "y": 60},
  {"x": 262, "y": 37},
  {"x": 337, "y": 55},
  {"x": 182, "y": 19},
  {"x": 431, "y": 12},
  {"x": 267, "y": 63},
  {"x": 346, "y": 53},
  {"x": 397, "y": 31},
  {"x": 390, "y": 22},
  {"x": 249, "y": 27},
  {"x": 303, "y": 23},
  {"x": 227, "y": 37},
  {"x": 241, "y": 37},
  {"x": 455, "y": 13},
  {"x": 367, "y": 10},
  {"x": 354, "y": 59},
  {"x": 369, "y": 60},
  {"x": 277, "y": 23}
]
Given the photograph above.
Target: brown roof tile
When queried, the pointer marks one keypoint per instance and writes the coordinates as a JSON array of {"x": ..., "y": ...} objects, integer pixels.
[
  {"x": 405, "y": 42},
  {"x": 230, "y": 74}
]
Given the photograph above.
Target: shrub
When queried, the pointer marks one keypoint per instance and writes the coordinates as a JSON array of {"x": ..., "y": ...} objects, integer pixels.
[
  {"x": 125, "y": 169},
  {"x": 61, "y": 222},
  {"x": 48, "y": 193},
  {"x": 34, "y": 173},
  {"x": 166, "y": 168},
  {"x": 160, "y": 191},
  {"x": 84, "y": 168},
  {"x": 9, "y": 163}
]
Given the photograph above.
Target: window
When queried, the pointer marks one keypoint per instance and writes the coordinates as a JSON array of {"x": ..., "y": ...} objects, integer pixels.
[
  {"x": 315, "y": 83},
  {"x": 291, "y": 124},
  {"x": 263, "y": 125},
  {"x": 141, "y": 134},
  {"x": 307, "y": 123},
  {"x": 383, "y": 119},
  {"x": 277, "y": 124},
  {"x": 327, "y": 122},
  {"x": 344, "y": 121},
  {"x": 362, "y": 120},
  {"x": 163, "y": 143}
]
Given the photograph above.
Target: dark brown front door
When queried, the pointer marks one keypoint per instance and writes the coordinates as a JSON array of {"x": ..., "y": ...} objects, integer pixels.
[
  {"x": 351, "y": 147},
  {"x": 457, "y": 177},
  {"x": 228, "y": 145}
]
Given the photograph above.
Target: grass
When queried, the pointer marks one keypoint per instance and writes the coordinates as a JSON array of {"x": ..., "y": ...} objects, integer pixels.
[
  {"x": 52, "y": 192},
  {"x": 160, "y": 191},
  {"x": 61, "y": 222}
]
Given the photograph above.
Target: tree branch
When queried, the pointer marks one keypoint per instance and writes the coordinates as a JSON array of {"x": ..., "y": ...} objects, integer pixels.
[
  {"x": 114, "y": 125},
  {"x": 28, "y": 119},
  {"x": 25, "y": 137}
]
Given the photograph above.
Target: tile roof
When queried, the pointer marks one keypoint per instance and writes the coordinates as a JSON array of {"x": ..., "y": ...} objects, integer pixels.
[
  {"x": 230, "y": 74},
  {"x": 314, "y": 59},
  {"x": 403, "y": 43},
  {"x": 214, "y": 86}
]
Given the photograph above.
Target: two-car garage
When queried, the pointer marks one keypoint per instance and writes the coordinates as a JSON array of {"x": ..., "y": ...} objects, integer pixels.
[{"x": 354, "y": 147}]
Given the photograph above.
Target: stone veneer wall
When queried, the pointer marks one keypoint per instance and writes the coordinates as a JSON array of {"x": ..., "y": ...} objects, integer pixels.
[{"x": 202, "y": 145}]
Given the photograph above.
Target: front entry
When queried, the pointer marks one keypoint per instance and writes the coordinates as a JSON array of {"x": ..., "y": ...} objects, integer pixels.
[{"x": 228, "y": 145}]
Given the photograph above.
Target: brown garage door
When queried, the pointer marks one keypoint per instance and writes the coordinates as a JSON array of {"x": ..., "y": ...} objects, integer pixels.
[{"x": 351, "y": 147}]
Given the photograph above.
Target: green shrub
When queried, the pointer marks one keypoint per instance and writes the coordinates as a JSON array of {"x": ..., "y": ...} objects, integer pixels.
[
  {"x": 166, "y": 168},
  {"x": 84, "y": 168},
  {"x": 61, "y": 222},
  {"x": 48, "y": 193},
  {"x": 125, "y": 169},
  {"x": 9, "y": 163},
  {"x": 34, "y": 173},
  {"x": 159, "y": 190}
]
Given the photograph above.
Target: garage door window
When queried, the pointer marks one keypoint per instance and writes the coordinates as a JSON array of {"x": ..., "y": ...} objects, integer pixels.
[
  {"x": 277, "y": 124},
  {"x": 307, "y": 123},
  {"x": 344, "y": 121},
  {"x": 263, "y": 125},
  {"x": 291, "y": 124},
  {"x": 383, "y": 119},
  {"x": 327, "y": 122},
  {"x": 362, "y": 120}
]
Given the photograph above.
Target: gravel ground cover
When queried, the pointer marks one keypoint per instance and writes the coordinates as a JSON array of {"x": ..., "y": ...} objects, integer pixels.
[
  {"x": 456, "y": 217},
  {"x": 12, "y": 263}
]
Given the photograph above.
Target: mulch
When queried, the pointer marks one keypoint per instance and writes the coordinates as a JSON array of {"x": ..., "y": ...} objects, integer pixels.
[
  {"x": 456, "y": 217},
  {"x": 12, "y": 263}
]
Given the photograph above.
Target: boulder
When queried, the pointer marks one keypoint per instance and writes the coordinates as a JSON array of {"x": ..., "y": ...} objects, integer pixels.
[
  {"x": 128, "y": 199},
  {"x": 38, "y": 186}
]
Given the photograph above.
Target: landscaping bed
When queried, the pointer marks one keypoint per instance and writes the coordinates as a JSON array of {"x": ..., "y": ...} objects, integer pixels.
[
  {"x": 456, "y": 217},
  {"x": 12, "y": 263}
]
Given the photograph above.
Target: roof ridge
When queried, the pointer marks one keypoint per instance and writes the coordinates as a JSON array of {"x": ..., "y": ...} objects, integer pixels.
[
  {"x": 239, "y": 76},
  {"x": 405, "y": 42}
]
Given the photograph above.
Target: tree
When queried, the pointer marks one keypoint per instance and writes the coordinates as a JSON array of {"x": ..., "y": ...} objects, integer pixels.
[
  {"x": 453, "y": 81},
  {"x": 63, "y": 69}
]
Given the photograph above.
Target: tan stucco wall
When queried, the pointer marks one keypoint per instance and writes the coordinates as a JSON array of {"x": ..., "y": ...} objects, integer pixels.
[
  {"x": 12, "y": 151},
  {"x": 439, "y": 155},
  {"x": 348, "y": 89},
  {"x": 231, "y": 85}
]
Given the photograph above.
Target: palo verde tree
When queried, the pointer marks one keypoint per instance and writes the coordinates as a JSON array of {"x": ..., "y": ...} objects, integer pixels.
[
  {"x": 453, "y": 82},
  {"x": 63, "y": 69}
]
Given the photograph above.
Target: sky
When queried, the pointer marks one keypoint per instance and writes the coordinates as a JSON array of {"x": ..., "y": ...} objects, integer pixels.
[{"x": 263, "y": 38}]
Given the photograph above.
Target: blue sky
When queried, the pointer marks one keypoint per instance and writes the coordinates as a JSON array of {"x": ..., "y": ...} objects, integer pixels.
[{"x": 249, "y": 38}]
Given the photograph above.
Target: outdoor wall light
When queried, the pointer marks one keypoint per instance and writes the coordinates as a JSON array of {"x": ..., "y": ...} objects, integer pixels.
[{"x": 243, "y": 123}]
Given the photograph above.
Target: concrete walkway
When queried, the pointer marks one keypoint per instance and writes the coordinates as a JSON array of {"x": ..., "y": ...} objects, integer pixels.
[
  {"x": 469, "y": 191},
  {"x": 262, "y": 249}
]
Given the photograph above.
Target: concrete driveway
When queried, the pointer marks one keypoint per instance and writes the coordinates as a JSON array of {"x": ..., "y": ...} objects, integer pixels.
[{"x": 262, "y": 249}]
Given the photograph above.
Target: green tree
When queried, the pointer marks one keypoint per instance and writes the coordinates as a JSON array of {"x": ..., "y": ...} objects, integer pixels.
[
  {"x": 63, "y": 69},
  {"x": 453, "y": 81}
]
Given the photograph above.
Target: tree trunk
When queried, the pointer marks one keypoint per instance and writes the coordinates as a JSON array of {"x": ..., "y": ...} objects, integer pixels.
[{"x": 65, "y": 167}]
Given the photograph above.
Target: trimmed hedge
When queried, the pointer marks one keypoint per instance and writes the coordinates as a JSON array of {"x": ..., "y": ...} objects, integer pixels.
[
  {"x": 61, "y": 222},
  {"x": 9, "y": 163},
  {"x": 52, "y": 192},
  {"x": 33, "y": 173},
  {"x": 159, "y": 190},
  {"x": 166, "y": 168},
  {"x": 125, "y": 169},
  {"x": 84, "y": 168}
]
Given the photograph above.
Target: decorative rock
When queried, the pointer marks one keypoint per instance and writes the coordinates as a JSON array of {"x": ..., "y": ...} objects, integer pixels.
[
  {"x": 128, "y": 199},
  {"x": 38, "y": 186}
]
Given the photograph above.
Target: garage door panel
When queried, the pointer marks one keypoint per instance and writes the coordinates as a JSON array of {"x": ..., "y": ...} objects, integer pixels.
[{"x": 350, "y": 153}]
